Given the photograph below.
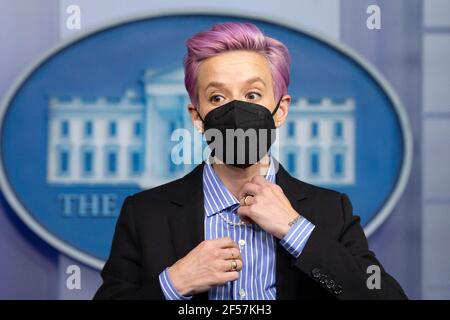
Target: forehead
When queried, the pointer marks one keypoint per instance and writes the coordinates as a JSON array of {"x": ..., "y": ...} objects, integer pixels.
[{"x": 233, "y": 67}]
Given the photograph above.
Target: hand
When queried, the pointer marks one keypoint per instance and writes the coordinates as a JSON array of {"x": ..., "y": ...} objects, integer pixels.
[
  {"x": 267, "y": 206},
  {"x": 208, "y": 265}
]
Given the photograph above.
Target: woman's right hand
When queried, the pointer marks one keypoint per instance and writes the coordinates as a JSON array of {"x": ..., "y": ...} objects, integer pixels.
[{"x": 208, "y": 265}]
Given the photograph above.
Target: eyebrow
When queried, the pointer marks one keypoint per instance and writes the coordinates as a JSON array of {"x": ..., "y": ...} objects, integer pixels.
[{"x": 222, "y": 85}]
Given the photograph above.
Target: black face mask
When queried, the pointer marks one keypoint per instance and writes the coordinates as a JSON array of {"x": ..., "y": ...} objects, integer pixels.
[{"x": 240, "y": 133}]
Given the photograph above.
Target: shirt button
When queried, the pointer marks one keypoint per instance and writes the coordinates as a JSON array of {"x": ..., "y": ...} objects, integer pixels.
[
  {"x": 242, "y": 242},
  {"x": 242, "y": 293}
]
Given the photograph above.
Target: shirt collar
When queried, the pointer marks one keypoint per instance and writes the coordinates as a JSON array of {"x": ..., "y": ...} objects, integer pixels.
[{"x": 217, "y": 197}]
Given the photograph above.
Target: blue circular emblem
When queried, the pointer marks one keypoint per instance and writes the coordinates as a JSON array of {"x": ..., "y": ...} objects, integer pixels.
[{"x": 91, "y": 123}]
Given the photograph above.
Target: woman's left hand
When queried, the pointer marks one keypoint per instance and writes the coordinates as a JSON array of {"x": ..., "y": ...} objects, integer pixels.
[{"x": 265, "y": 204}]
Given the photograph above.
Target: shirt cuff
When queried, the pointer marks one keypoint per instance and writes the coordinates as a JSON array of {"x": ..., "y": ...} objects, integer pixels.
[
  {"x": 295, "y": 240},
  {"x": 168, "y": 289}
]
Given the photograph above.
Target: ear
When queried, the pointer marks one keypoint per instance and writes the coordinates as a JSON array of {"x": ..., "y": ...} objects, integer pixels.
[
  {"x": 196, "y": 121},
  {"x": 282, "y": 112}
]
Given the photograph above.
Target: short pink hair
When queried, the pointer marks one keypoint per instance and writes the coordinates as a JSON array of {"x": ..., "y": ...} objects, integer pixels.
[{"x": 236, "y": 36}]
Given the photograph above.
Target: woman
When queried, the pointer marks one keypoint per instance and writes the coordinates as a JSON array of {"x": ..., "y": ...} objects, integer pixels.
[{"x": 239, "y": 226}]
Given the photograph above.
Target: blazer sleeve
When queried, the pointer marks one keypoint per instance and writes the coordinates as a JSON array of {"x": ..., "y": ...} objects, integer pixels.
[
  {"x": 340, "y": 264},
  {"x": 121, "y": 274}
]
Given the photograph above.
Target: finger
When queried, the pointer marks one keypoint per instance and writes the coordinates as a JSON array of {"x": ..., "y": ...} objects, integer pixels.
[
  {"x": 277, "y": 190},
  {"x": 229, "y": 276},
  {"x": 260, "y": 180},
  {"x": 227, "y": 265},
  {"x": 247, "y": 200},
  {"x": 244, "y": 211},
  {"x": 245, "y": 214},
  {"x": 238, "y": 265},
  {"x": 225, "y": 242},
  {"x": 230, "y": 253},
  {"x": 249, "y": 188}
]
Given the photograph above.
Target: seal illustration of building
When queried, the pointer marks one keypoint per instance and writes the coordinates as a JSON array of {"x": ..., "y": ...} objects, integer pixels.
[{"x": 127, "y": 139}]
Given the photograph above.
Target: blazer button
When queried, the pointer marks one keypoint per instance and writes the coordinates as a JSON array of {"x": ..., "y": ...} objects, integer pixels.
[
  {"x": 337, "y": 290},
  {"x": 323, "y": 279},
  {"x": 331, "y": 284},
  {"x": 316, "y": 273}
]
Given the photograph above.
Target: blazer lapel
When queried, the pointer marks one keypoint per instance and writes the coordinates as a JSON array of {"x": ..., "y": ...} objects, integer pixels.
[
  {"x": 187, "y": 222},
  {"x": 288, "y": 281}
]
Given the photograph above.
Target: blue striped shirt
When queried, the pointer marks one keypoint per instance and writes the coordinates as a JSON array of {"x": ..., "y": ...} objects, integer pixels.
[{"x": 258, "y": 248}]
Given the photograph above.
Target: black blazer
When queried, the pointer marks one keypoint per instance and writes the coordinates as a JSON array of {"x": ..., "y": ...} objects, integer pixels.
[{"x": 158, "y": 226}]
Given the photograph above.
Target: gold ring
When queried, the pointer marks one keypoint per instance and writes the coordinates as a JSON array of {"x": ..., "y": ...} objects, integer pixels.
[
  {"x": 245, "y": 199},
  {"x": 233, "y": 265}
]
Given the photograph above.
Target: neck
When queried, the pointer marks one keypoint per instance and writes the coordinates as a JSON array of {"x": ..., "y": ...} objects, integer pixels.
[{"x": 234, "y": 178}]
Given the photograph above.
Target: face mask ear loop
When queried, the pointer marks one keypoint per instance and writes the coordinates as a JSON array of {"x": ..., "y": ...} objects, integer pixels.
[
  {"x": 276, "y": 108},
  {"x": 200, "y": 115}
]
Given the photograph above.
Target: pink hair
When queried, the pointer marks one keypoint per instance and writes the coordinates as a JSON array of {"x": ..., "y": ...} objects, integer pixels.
[{"x": 235, "y": 36}]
